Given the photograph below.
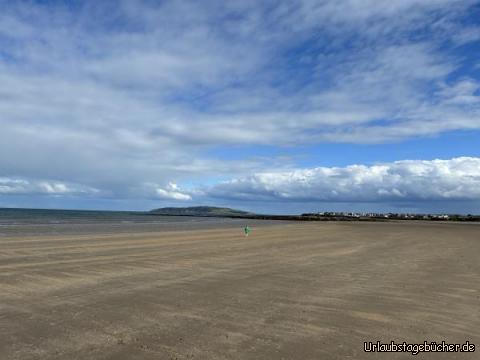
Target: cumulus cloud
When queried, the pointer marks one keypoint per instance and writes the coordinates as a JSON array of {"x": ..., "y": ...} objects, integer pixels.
[
  {"x": 172, "y": 192},
  {"x": 19, "y": 186},
  {"x": 408, "y": 180}
]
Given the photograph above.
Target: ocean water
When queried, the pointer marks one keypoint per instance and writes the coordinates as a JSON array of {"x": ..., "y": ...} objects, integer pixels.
[
  {"x": 44, "y": 222},
  {"x": 41, "y": 216}
]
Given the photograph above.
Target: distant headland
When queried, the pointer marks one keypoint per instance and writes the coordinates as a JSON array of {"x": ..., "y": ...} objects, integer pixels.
[{"x": 201, "y": 211}]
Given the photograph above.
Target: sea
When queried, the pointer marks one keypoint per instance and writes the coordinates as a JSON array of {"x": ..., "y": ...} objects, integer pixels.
[
  {"x": 19, "y": 222},
  {"x": 10, "y": 216}
]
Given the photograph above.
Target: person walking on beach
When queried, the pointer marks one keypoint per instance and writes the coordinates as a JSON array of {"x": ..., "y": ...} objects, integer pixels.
[{"x": 246, "y": 230}]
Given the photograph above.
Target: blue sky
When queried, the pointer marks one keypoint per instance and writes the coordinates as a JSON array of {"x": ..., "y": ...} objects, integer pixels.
[{"x": 271, "y": 106}]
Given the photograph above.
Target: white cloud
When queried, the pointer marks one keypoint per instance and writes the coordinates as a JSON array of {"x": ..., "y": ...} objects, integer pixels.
[
  {"x": 462, "y": 93},
  {"x": 20, "y": 186},
  {"x": 408, "y": 180},
  {"x": 172, "y": 192}
]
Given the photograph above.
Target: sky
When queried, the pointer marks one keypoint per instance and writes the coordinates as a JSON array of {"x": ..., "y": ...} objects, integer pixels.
[{"x": 269, "y": 106}]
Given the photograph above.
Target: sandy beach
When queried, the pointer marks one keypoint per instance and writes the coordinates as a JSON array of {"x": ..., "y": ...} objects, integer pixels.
[{"x": 288, "y": 291}]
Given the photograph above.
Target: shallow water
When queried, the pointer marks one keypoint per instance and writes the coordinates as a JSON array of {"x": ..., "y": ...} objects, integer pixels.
[{"x": 27, "y": 222}]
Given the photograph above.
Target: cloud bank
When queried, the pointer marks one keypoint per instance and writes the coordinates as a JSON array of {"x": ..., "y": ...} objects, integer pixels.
[
  {"x": 16, "y": 186},
  {"x": 408, "y": 180}
]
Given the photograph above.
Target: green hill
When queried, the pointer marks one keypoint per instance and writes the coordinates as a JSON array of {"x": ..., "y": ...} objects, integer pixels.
[{"x": 200, "y": 211}]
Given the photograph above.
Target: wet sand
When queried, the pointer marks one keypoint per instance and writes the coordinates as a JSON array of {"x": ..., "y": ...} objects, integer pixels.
[{"x": 288, "y": 291}]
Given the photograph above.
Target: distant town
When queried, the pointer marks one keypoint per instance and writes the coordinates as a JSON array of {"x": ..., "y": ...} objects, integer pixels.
[{"x": 392, "y": 216}]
